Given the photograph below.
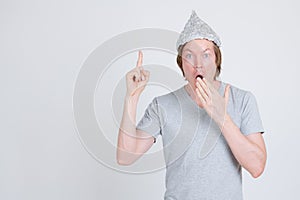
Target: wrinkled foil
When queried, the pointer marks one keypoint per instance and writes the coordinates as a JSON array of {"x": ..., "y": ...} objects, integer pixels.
[{"x": 195, "y": 28}]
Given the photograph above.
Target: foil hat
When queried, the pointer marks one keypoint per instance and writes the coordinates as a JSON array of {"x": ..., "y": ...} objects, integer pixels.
[{"x": 195, "y": 28}]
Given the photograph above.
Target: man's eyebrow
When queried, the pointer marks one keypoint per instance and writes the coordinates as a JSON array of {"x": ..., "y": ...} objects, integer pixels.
[
  {"x": 207, "y": 49},
  {"x": 187, "y": 50}
]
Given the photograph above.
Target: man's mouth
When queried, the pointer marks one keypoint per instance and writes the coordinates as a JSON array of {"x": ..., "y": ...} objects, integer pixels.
[{"x": 200, "y": 76}]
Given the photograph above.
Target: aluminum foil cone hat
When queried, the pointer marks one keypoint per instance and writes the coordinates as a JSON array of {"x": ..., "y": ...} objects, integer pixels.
[{"x": 195, "y": 28}]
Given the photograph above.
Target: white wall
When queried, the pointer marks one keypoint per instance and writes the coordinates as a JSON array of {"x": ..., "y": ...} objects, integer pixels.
[{"x": 45, "y": 43}]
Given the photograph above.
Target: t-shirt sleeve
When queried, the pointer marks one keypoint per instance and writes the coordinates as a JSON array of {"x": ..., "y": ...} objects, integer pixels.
[
  {"x": 251, "y": 121},
  {"x": 150, "y": 122}
]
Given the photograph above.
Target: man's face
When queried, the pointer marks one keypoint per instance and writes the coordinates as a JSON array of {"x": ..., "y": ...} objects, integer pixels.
[{"x": 198, "y": 58}]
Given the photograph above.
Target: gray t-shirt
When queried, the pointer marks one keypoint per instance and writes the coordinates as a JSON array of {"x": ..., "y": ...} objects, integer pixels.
[{"x": 199, "y": 162}]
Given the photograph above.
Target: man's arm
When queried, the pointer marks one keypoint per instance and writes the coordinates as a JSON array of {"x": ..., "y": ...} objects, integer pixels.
[
  {"x": 132, "y": 143},
  {"x": 250, "y": 150}
]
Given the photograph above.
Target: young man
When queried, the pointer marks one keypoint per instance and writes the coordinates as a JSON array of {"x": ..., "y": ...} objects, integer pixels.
[{"x": 209, "y": 128}]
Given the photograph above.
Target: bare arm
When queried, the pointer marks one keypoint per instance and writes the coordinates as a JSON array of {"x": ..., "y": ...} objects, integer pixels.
[
  {"x": 249, "y": 151},
  {"x": 133, "y": 143}
]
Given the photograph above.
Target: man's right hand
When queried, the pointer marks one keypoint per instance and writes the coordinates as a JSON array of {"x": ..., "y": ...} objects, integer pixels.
[{"x": 136, "y": 79}]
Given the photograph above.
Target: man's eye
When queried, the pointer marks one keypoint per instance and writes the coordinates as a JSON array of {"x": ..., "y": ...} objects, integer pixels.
[
  {"x": 206, "y": 55},
  {"x": 188, "y": 55}
]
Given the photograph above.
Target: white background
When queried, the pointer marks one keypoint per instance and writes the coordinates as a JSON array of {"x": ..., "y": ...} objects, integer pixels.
[{"x": 43, "y": 45}]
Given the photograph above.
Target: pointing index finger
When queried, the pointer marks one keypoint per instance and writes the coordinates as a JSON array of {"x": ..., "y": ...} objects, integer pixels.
[{"x": 140, "y": 59}]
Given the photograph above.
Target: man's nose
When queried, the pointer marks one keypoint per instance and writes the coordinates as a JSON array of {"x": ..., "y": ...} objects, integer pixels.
[{"x": 198, "y": 62}]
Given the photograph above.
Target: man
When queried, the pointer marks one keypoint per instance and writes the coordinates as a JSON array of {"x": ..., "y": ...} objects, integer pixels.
[{"x": 209, "y": 129}]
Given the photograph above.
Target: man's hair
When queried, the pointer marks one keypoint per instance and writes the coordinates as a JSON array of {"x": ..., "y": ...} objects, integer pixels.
[{"x": 218, "y": 60}]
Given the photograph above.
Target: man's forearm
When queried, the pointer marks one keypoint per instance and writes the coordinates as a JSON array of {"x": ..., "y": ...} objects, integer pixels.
[
  {"x": 249, "y": 154},
  {"x": 127, "y": 130}
]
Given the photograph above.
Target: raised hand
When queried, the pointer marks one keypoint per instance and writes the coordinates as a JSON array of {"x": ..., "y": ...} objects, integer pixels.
[
  {"x": 137, "y": 78},
  {"x": 214, "y": 104}
]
